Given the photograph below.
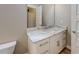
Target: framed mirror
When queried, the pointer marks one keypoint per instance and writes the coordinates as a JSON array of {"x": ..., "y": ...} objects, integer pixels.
[{"x": 34, "y": 16}]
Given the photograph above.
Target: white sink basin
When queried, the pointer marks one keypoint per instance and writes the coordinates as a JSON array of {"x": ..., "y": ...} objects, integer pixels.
[{"x": 37, "y": 33}]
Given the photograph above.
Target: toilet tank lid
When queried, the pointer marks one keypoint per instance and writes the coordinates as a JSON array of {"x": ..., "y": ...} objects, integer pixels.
[{"x": 7, "y": 45}]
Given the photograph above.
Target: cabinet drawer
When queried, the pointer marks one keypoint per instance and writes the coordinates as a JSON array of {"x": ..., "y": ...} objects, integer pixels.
[{"x": 43, "y": 46}]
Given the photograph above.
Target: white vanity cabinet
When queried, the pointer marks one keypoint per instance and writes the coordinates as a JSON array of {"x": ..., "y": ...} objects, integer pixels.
[
  {"x": 57, "y": 43},
  {"x": 52, "y": 43}
]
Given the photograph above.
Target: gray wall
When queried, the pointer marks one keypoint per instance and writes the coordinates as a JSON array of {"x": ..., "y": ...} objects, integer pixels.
[
  {"x": 48, "y": 14},
  {"x": 63, "y": 18},
  {"x": 13, "y": 21}
]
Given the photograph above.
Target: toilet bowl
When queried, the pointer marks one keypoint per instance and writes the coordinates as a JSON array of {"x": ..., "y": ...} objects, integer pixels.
[{"x": 7, "y": 48}]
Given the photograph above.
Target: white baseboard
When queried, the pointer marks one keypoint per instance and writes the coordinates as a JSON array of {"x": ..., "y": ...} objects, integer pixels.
[{"x": 69, "y": 47}]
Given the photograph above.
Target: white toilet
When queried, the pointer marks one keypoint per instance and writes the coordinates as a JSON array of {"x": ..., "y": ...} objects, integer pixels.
[{"x": 7, "y": 48}]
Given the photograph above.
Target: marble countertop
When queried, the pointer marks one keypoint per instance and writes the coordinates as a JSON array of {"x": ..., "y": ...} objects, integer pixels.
[{"x": 42, "y": 34}]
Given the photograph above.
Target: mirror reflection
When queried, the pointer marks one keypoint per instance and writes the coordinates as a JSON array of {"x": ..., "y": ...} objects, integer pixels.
[{"x": 31, "y": 17}]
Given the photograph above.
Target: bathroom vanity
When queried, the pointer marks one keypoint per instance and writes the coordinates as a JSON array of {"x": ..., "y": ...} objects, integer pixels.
[{"x": 43, "y": 41}]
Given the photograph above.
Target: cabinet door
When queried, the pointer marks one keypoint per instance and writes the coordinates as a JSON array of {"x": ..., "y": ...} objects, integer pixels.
[
  {"x": 62, "y": 41},
  {"x": 54, "y": 45},
  {"x": 57, "y": 43}
]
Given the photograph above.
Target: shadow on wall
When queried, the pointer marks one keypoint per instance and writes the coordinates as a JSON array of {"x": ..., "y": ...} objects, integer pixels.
[{"x": 21, "y": 46}]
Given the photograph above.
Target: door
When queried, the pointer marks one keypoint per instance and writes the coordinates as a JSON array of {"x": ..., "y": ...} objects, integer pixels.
[
  {"x": 75, "y": 29},
  {"x": 55, "y": 44}
]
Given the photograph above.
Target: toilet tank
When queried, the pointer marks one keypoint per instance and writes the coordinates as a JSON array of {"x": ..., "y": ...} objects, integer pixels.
[{"x": 7, "y": 48}]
